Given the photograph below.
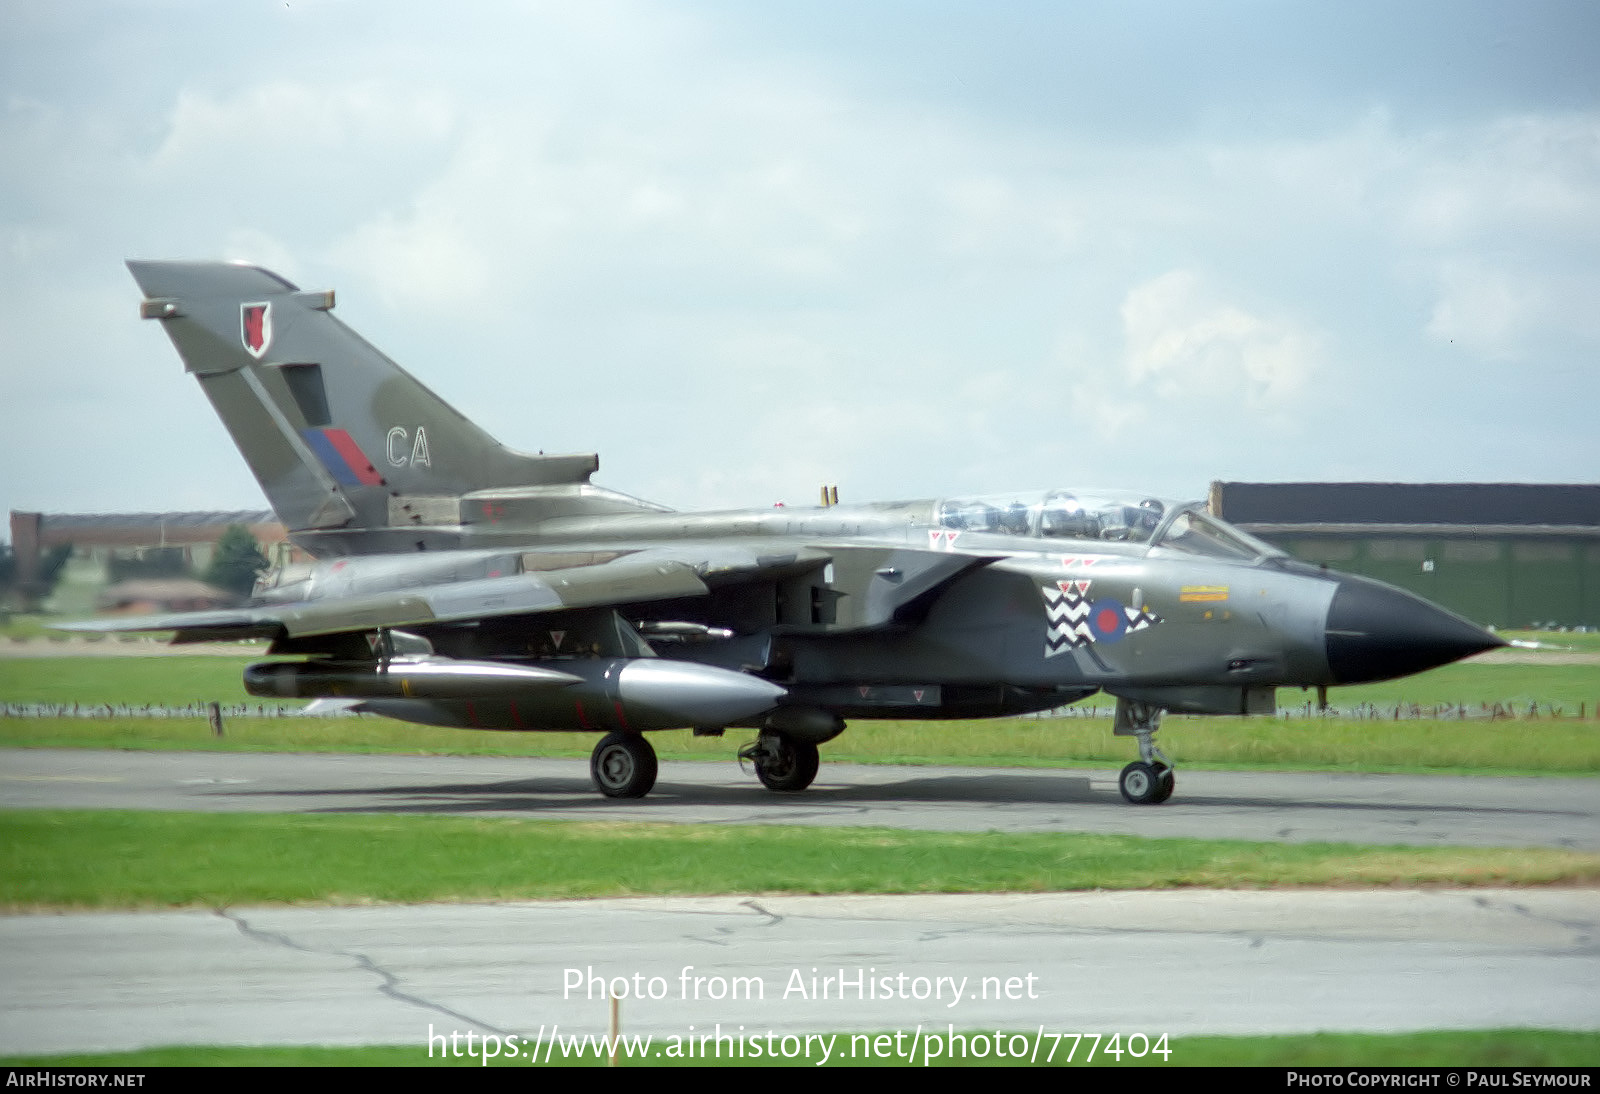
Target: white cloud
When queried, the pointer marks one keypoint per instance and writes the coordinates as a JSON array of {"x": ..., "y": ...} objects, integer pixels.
[
  {"x": 1479, "y": 307},
  {"x": 1507, "y": 180},
  {"x": 284, "y": 127},
  {"x": 1502, "y": 313},
  {"x": 424, "y": 262},
  {"x": 1186, "y": 346}
]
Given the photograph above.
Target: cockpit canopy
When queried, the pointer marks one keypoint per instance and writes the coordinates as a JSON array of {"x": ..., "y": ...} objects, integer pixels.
[
  {"x": 1056, "y": 514},
  {"x": 1102, "y": 517}
]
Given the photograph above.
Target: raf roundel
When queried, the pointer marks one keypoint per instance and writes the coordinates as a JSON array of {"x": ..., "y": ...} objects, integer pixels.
[{"x": 1108, "y": 619}]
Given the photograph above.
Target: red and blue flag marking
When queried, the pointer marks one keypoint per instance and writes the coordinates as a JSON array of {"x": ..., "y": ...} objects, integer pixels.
[{"x": 342, "y": 457}]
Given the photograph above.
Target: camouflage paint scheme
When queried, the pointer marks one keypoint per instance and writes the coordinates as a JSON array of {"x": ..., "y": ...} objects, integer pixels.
[{"x": 458, "y": 582}]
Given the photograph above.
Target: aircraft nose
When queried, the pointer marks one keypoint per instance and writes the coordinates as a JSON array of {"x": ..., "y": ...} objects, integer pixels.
[{"x": 1378, "y": 632}]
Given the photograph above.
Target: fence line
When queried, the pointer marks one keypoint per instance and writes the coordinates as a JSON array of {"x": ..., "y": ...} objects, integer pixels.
[
  {"x": 1361, "y": 712},
  {"x": 155, "y": 710},
  {"x": 1394, "y": 712}
]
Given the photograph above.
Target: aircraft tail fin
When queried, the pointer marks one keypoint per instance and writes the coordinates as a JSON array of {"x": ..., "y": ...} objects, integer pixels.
[{"x": 349, "y": 448}]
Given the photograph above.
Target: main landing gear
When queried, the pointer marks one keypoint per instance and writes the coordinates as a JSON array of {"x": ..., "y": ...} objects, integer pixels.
[
  {"x": 623, "y": 765},
  {"x": 1149, "y": 779},
  {"x": 782, "y": 763}
]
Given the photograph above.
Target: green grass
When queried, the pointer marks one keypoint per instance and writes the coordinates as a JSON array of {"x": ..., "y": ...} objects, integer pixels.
[
  {"x": 1487, "y": 1048},
  {"x": 1519, "y": 684},
  {"x": 123, "y": 680},
  {"x": 51, "y": 859},
  {"x": 21, "y": 626}
]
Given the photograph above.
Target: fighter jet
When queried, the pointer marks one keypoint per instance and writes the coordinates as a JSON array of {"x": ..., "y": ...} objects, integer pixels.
[{"x": 456, "y": 582}]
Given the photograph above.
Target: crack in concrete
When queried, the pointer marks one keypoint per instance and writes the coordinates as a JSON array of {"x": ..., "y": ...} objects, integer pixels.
[
  {"x": 389, "y": 983},
  {"x": 773, "y": 918},
  {"x": 720, "y": 935},
  {"x": 1583, "y": 929}
]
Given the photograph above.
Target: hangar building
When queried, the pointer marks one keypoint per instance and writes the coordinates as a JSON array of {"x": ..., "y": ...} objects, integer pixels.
[{"x": 98, "y": 540}]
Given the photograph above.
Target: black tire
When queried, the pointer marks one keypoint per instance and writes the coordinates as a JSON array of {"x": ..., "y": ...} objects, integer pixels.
[
  {"x": 1168, "y": 783},
  {"x": 793, "y": 769},
  {"x": 1141, "y": 783},
  {"x": 623, "y": 765}
]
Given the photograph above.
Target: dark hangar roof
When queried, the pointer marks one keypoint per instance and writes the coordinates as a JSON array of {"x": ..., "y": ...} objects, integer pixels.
[{"x": 1460, "y": 503}]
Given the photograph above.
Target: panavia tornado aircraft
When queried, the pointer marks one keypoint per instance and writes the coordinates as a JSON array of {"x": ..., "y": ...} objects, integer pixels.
[{"x": 459, "y": 583}]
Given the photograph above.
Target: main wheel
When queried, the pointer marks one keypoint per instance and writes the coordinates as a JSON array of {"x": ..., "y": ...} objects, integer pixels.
[
  {"x": 789, "y": 765},
  {"x": 1142, "y": 783},
  {"x": 623, "y": 765}
]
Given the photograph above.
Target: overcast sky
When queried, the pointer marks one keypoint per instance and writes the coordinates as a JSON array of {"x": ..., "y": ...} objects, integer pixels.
[{"x": 914, "y": 248}]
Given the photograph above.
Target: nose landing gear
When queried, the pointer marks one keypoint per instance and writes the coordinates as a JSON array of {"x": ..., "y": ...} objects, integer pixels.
[
  {"x": 1148, "y": 780},
  {"x": 1146, "y": 784}
]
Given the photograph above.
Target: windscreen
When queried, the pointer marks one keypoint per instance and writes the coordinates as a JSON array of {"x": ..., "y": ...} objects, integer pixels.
[{"x": 1196, "y": 533}]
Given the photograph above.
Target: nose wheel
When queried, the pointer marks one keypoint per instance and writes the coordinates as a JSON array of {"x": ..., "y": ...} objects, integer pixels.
[
  {"x": 1146, "y": 783},
  {"x": 1149, "y": 779}
]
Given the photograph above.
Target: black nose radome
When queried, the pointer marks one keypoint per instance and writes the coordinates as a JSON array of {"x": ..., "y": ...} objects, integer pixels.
[{"x": 1378, "y": 632}]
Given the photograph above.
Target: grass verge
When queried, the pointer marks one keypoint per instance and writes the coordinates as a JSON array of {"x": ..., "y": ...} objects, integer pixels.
[{"x": 63, "y": 859}]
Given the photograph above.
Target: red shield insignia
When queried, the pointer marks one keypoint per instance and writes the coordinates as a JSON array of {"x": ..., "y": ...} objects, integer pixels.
[{"x": 255, "y": 327}]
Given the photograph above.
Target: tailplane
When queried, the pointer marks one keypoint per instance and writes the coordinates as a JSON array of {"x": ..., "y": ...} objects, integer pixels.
[{"x": 352, "y": 452}]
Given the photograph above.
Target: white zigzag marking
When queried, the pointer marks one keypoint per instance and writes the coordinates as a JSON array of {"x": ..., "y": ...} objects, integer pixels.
[{"x": 1067, "y": 615}]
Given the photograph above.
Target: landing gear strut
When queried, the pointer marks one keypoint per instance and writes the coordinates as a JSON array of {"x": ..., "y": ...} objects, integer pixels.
[
  {"x": 623, "y": 765},
  {"x": 1148, "y": 780},
  {"x": 782, "y": 763}
]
